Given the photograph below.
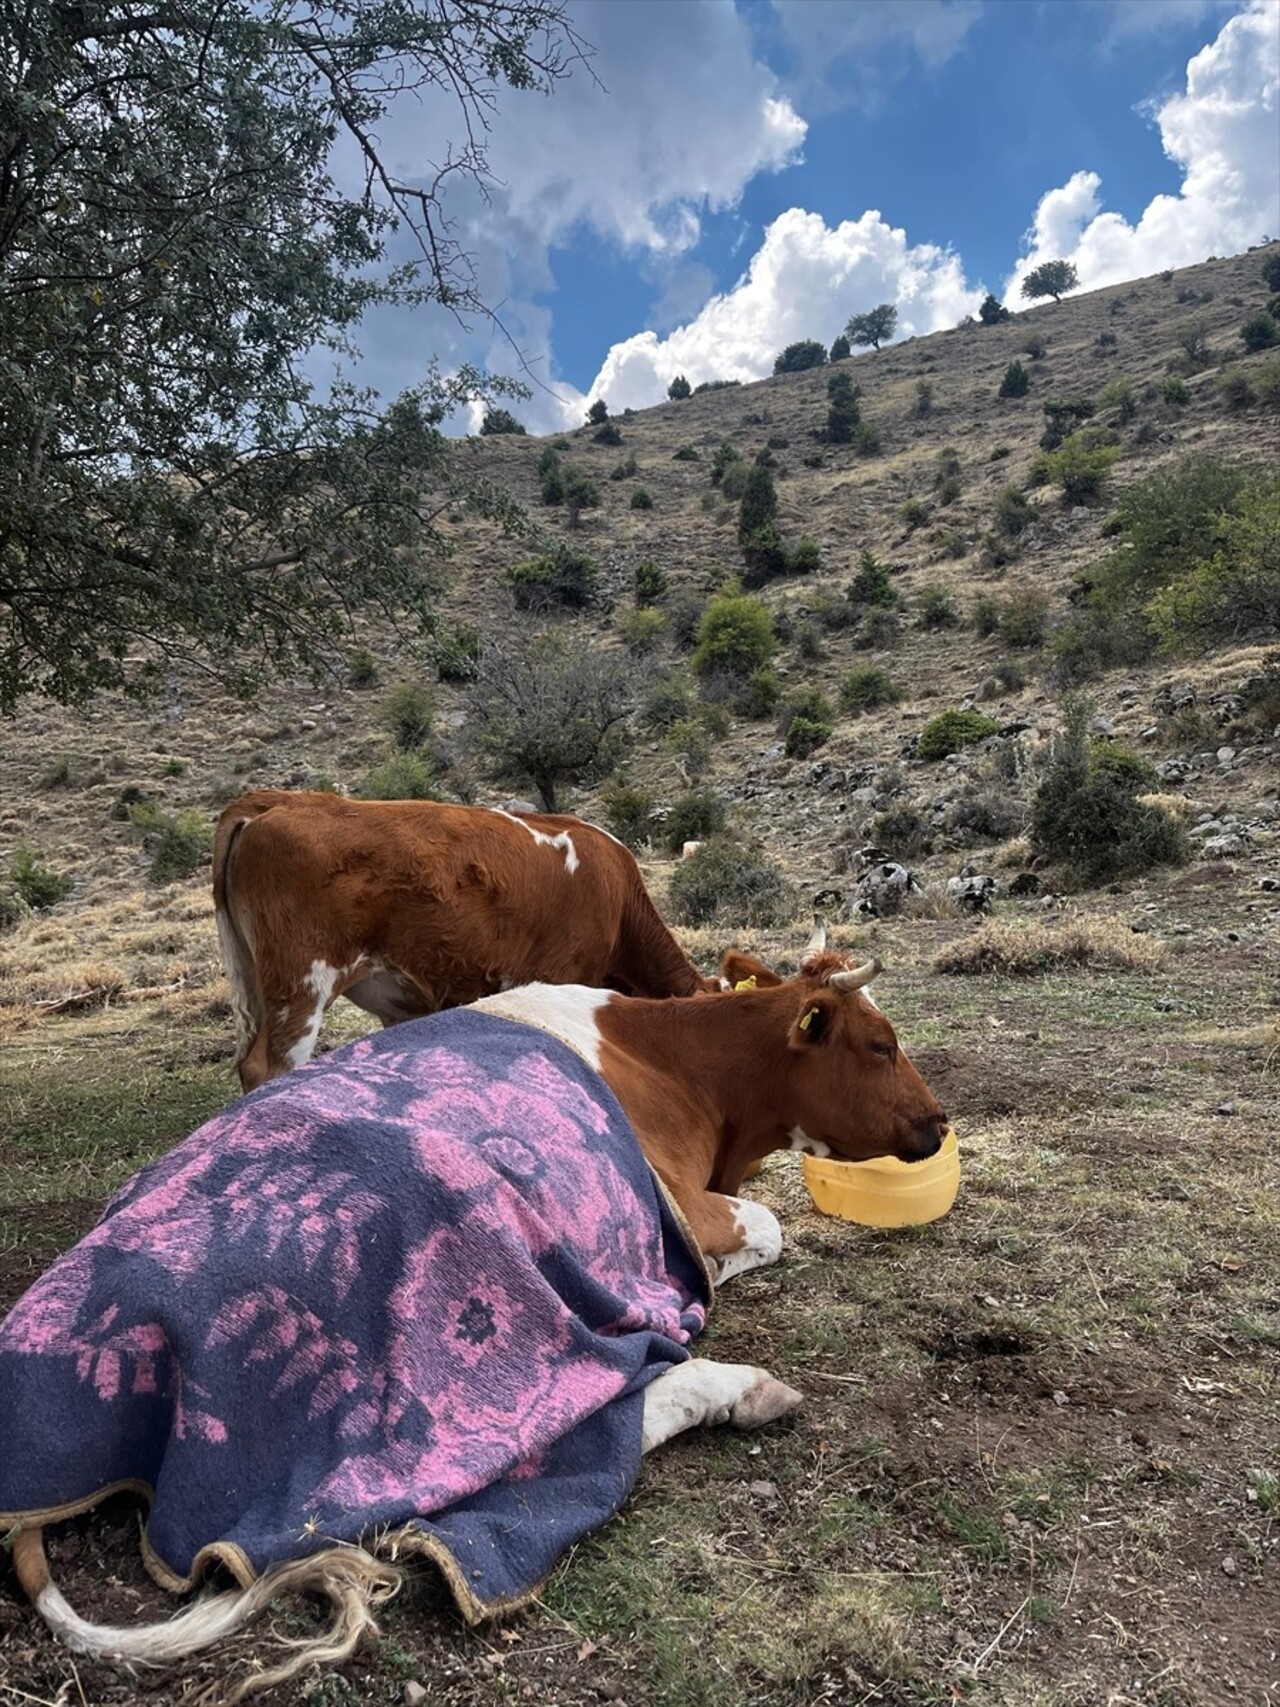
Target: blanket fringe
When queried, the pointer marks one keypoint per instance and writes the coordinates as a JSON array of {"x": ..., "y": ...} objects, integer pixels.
[{"x": 352, "y": 1580}]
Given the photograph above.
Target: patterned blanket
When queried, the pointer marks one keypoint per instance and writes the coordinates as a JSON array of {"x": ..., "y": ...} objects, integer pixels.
[{"x": 422, "y": 1281}]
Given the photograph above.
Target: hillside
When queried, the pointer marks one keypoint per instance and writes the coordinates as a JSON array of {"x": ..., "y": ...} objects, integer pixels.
[
  {"x": 1036, "y": 1465},
  {"x": 62, "y": 772}
]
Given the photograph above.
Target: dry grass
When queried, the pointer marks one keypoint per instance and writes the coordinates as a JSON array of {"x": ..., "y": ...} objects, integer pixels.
[{"x": 1025, "y": 948}]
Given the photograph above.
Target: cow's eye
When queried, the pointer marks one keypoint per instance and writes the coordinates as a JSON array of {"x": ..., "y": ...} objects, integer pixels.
[{"x": 886, "y": 1051}]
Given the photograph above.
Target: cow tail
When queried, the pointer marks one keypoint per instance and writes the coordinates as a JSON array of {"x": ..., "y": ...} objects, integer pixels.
[
  {"x": 237, "y": 949},
  {"x": 352, "y": 1580}
]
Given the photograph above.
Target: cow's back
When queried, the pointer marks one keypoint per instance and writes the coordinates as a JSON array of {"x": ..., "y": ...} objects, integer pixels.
[{"x": 464, "y": 900}]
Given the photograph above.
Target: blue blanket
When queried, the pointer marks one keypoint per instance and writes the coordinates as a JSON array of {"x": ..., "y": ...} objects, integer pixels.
[{"x": 422, "y": 1281}]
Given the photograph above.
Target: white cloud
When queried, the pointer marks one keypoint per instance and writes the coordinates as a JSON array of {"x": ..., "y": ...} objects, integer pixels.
[
  {"x": 804, "y": 281},
  {"x": 1222, "y": 131}
]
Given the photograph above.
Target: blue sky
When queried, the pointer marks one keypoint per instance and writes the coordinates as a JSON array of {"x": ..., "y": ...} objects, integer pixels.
[{"x": 743, "y": 174}]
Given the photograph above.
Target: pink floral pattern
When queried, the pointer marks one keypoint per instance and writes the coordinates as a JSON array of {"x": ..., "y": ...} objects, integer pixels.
[{"x": 425, "y": 1278}]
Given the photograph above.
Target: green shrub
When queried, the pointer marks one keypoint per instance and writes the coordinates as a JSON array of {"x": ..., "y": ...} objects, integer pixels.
[
  {"x": 843, "y": 413},
  {"x": 580, "y": 493},
  {"x": 867, "y": 439},
  {"x": 1118, "y": 397},
  {"x": 1062, "y": 417},
  {"x": 179, "y": 843},
  {"x": 457, "y": 652},
  {"x": 949, "y": 490},
  {"x": 878, "y": 631},
  {"x": 693, "y": 817},
  {"x": 984, "y": 618},
  {"x": 1086, "y": 816},
  {"x": 806, "y": 559},
  {"x": 938, "y": 607},
  {"x": 733, "y": 482},
  {"x": 797, "y": 357},
  {"x": 1034, "y": 346},
  {"x": 408, "y": 714},
  {"x": 691, "y": 740},
  {"x": 649, "y": 582},
  {"x": 686, "y": 453},
  {"x": 563, "y": 576},
  {"x": 1260, "y": 697},
  {"x": 642, "y": 630},
  {"x": 764, "y": 557},
  {"x": 362, "y": 668},
  {"x": 992, "y": 311},
  {"x": 1081, "y": 468},
  {"x": 805, "y": 735},
  {"x": 1260, "y": 332},
  {"x": 722, "y": 461},
  {"x": 924, "y": 399},
  {"x": 37, "y": 885},
  {"x": 685, "y": 608},
  {"x": 871, "y": 585},
  {"x": 841, "y": 349},
  {"x": 551, "y": 476},
  {"x": 129, "y": 796},
  {"x": 1025, "y": 618},
  {"x": 1175, "y": 391},
  {"x": 624, "y": 469},
  {"x": 641, "y": 499},
  {"x": 901, "y": 831},
  {"x": 1016, "y": 381},
  {"x": 1234, "y": 592},
  {"x": 57, "y": 773},
  {"x": 730, "y": 884},
  {"x": 679, "y": 389},
  {"x": 951, "y": 730},
  {"x": 598, "y": 413},
  {"x": 500, "y": 421},
  {"x": 402, "y": 776},
  {"x": 915, "y": 513},
  {"x": 867, "y": 687},
  {"x": 1120, "y": 762},
  {"x": 1235, "y": 388},
  {"x": 668, "y": 700},
  {"x": 758, "y": 696},
  {"x": 628, "y": 812},
  {"x": 808, "y": 702},
  {"x": 735, "y": 635}
]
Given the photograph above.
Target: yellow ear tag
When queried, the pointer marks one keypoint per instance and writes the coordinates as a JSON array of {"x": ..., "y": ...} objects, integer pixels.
[
  {"x": 805, "y": 1019},
  {"x": 745, "y": 984}
]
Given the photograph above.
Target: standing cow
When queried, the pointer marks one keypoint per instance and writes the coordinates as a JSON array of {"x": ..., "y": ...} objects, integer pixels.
[
  {"x": 406, "y": 907},
  {"x": 425, "y": 1297}
]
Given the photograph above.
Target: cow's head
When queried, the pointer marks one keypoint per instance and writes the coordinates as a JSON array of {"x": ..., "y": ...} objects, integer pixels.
[{"x": 851, "y": 1091}]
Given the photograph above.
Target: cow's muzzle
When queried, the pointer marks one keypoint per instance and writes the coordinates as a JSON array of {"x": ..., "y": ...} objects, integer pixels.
[{"x": 926, "y": 1140}]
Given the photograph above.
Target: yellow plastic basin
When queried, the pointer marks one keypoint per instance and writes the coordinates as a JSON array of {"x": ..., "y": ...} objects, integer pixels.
[{"x": 886, "y": 1192}]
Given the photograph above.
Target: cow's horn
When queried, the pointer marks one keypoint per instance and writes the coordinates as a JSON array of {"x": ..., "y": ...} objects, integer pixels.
[
  {"x": 855, "y": 979},
  {"x": 818, "y": 941}
]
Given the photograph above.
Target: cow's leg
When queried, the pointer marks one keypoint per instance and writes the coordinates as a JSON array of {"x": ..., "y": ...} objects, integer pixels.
[
  {"x": 291, "y": 1024},
  {"x": 733, "y": 1232},
  {"x": 702, "y": 1393}
]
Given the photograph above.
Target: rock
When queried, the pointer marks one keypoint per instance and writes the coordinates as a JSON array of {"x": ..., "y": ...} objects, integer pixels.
[
  {"x": 1225, "y": 755},
  {"x": 1229, "y": 846},
  {"x": 884, "y": 887},
  {"x": 414, "y": 1694},
  {"x": 974, "y": 893}
]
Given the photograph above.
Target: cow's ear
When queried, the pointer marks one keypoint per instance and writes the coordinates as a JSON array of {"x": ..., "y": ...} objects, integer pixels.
[
  {"x": 815, "y": 1019},
  {"x": 739, "y": 968}
]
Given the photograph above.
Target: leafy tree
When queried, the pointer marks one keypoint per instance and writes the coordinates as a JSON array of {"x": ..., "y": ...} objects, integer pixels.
[
  {"x": 679, "y": 388},
  {"x": 1234, "y": 592},
  {"x": 797, "y": 357},
  {"x": 173, "y": 242},
  {"x": 550, "y": 711},
  {"x": 598, "y": 413},
  {"x": 993, "y": 311},
  {"x": 500, "y": 421},
  {"x": 876, "y": 327},
  {"x": 841, "y": 349},
  {"x": 1050, "y": 278}
]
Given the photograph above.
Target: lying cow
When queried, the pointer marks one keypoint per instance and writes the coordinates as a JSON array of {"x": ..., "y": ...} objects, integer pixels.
[
  {"x": 425, "y": 1297},
  {"x": 406, "y": 907}
]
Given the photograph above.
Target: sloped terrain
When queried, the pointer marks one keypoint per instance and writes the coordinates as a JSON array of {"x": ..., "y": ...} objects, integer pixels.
[{"x": 1038, "y": 1464}]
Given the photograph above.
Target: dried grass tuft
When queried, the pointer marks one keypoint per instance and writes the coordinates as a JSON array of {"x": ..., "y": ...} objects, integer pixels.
[{"x": 1001, "y": 946}]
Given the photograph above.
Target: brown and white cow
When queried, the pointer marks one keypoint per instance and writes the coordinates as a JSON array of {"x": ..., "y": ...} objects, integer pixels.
[
  {"x": 710, "y": 1086},
  {"x": 405, "y": 907}
]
